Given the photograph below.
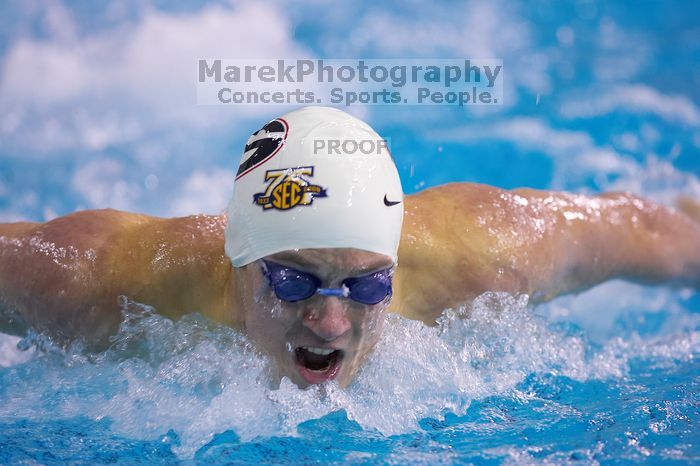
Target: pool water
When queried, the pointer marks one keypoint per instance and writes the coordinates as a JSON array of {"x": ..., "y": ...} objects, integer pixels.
[{"x": 598, "y": 97}]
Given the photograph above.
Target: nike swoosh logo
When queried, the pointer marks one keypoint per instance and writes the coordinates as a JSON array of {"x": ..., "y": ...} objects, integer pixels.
[{"x": 389, "y": 203}]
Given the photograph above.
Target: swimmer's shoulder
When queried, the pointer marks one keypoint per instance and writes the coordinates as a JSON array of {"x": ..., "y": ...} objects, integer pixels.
[
  {"x": 64, "y": 238},
  {"x": 65, "y": 276},
  {"x": 455, "y": 214},
  {"x": 52, "y": 274},
  {"x": 91, "y": 228},
  {"x": 177, "y": 265},
  {"x": 452, "y": 248},
  {"x": 137, "y": 254},
  {"x": 123, "y": 236},
  {"x": 17, "y": 229},
  {"x": 453, "y": 193}
]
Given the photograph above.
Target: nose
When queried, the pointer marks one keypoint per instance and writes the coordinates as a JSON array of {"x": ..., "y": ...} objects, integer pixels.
[{"x": 327, "y": 318}]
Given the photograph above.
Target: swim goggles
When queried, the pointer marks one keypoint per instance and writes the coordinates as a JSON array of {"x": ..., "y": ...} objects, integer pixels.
[{"x": 293, "y": 285}]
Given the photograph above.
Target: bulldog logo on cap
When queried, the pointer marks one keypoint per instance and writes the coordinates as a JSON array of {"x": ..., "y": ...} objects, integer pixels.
[{"x": 263, "y": 145}]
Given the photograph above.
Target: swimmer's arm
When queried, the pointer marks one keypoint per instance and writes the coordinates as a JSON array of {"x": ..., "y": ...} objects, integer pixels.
[
  {"x": 460, "y": 240},
  {"x": 613, "y": 235},
  {"x": 10, "y": 235},
  {"x": 64, "y": 277},
  {"x": 48, "y": 276}
]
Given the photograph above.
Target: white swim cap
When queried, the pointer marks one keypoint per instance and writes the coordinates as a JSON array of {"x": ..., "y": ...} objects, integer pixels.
[{"x": 314, "y": 178}]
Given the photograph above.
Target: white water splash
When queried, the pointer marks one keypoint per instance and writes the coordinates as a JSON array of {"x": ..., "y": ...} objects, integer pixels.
[{"x": 199, "y": 379}]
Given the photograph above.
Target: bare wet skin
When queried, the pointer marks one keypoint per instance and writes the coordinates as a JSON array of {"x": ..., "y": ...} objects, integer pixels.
[{"x": 64, "y": 277}]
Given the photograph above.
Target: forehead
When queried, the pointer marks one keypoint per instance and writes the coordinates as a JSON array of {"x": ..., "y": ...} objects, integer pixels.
[{"x": 333, "y": 259}]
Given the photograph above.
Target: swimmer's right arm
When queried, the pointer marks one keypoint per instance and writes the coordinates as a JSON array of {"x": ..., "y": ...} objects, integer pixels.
[
  {"x": 65, "y": 277},
  {"x": 51, "y": 278}
]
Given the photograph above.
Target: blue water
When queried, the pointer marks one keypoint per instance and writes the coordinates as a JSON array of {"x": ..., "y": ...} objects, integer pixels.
[{"x": 599, "y": 96}]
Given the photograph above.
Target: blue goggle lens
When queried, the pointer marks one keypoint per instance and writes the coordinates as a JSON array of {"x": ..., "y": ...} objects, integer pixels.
[
  {"x": 369, "y": 289},
  {"x": 295, "y": 289},
  {"x": 293, "y": 285}
]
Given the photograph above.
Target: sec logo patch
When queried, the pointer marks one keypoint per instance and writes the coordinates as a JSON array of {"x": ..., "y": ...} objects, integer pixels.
[{"x": 288, "y": 188}]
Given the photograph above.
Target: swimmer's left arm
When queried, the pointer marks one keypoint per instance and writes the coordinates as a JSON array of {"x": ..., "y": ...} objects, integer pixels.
[
  {"x": 613, "y": 235},
  {"x": 462, "y": 239}
]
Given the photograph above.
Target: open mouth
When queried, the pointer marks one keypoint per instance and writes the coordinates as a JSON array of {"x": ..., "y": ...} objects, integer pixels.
[{"x": 318, "y": 365}]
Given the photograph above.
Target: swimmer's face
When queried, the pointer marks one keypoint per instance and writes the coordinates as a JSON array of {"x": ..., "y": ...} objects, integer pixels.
[{"x": 323, "y": 337}]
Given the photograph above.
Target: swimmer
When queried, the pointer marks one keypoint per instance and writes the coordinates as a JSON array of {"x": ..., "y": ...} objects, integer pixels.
[{"x": 316, "y": 247}]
